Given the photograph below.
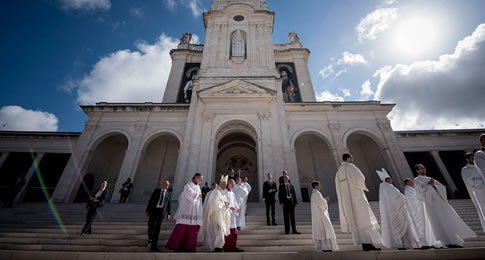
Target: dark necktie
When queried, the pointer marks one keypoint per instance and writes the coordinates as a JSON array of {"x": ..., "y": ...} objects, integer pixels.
[
  {"x": 160, "y": 203},
  {"x": 288, "y": 194}
]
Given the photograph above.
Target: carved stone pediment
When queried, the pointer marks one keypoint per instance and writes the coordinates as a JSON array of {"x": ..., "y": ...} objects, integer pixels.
[{"x": 236, "y": 88}]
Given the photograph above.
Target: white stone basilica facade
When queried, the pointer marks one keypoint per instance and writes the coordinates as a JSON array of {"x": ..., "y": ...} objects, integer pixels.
[{"x": 237, "y": 102}]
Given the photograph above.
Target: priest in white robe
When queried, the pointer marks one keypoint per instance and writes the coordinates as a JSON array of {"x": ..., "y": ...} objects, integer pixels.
[
  {"x": 241, "y": 194},
  {"x": 448, "y": 227},
  {"x": 217, "y": 220},
  {"x": 420, "y": 218},
  {"x": 480, "y": 156},
  {"x": 213, "y": 187},
  {"x": 189, "y": 218},
  {"x": 475, "y": 185},
  {"x": 323, "y": 233},
  {"x": 246, "y": 184},
  {"x": 355, "y": 213},
  {"x": 231, "y": 239},
  {"x": 397, "y": 228}
]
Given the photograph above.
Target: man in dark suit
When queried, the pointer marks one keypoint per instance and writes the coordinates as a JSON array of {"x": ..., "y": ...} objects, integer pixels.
[
  {"x": 158, "y": 208},
  {"x": 96, "y": 201},
  {"x": 269, "y": 191},
  {"x": 288, "y": 201},
  {"x": 281, "y": 179}
]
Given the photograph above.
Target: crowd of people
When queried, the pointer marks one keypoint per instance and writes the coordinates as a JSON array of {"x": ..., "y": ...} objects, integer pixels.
[{"x": 420, "y": 218}]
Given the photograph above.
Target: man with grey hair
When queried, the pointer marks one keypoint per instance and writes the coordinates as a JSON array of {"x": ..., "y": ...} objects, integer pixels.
[
  {"x": 480, "y": 156},
  {"x": 158, "y": 209}
]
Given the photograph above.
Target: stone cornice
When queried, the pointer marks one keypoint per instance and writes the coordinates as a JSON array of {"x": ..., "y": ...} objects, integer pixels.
[
  {"x": 441, "y": 133},
  {"x": 38, "y": 135},
  {"x": 135, "y": 107},
  {"x": 369, "y": 106}
]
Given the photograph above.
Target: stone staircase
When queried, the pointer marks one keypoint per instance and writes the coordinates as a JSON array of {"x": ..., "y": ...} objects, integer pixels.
[{"x": 121, "y": 228}]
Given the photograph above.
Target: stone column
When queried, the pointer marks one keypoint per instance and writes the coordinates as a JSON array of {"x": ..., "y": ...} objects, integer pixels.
[
  {"x": 3, "y": 158},
  {"x": 175, "y": 78},
  {"x": 29, "y": 175},
  {"x": 129, "y": 161},
  {"x": 340, "y": 147},
  {"x": 444, "y": 171},
  {"x": 307, "y": 92}
]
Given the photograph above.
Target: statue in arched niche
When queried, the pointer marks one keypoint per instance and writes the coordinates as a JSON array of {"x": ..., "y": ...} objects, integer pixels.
[{"x": 238, "y": 44}]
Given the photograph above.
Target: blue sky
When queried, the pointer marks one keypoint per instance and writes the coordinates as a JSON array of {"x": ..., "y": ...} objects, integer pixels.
[{"x": 58, "y": 54}]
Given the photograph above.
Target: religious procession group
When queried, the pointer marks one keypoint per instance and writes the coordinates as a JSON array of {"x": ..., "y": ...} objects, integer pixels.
[{"x": 421, "y": 218}]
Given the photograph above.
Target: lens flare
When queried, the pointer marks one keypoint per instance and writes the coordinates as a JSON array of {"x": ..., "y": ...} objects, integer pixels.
[{"x": 51, "y": 204}]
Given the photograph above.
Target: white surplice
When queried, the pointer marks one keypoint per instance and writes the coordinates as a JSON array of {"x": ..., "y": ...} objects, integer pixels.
[
  {"x": 323, "y": 233},
  {"x": 216, "y": 221},
  {"x": 475, "y": 185},
  {"x": 207, "y": 196},
  {"x": 397, "y": 228},
  {"x": 419, "y": 216},
  {"x": 190, "y": 210},
  {"x": 231, "y": 200},
  {"x": 480, "y": 162},
  {"x": 448, "y": 227},
  {"x": 355, "y": 213},
  {"x": 241, "y": 194},
  {"x": 248, "y": 187}
]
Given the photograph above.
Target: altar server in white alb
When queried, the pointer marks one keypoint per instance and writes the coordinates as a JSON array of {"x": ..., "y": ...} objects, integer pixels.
[
  {"x": 355, "y": 213},
  {"x": 417, "y": 211},
  {"x": 480, "y": 156},
  {"x": 230, "y": 244},
  {"x": 397, "y": 228},
  {"x": 241, "y": 193},
  {"x": 217, "y": 220},
  {"x": 475, "y": 184},
  {"x": 322, "y": 230},
  {"x": 448, "y": 227},
  {"x": 246, "y": 184}
]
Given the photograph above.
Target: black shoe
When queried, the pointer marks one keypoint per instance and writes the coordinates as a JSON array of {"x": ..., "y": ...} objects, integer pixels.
[
  {"x": 154, "y": 249},
  {"x": 327, "y": 251},
  {"x": 296, "y": 233},
  {"x": 453, "y": 246},
  {"x": 269, "y": 224},
  {"x": 219, "y": 250},
  {"x": 189, "y": 251},
  {"x": 426, "y": 247},
  {"x": 369, "y": 247},
  {"x": 402, "y": 248},
  {"x": 274, "y": 224},
  {"x": 238, "y": 250},
  {"x": 287, "y": 233},
  {"x": 82, "y": 234},
  {"x": 238, "y": 228}
]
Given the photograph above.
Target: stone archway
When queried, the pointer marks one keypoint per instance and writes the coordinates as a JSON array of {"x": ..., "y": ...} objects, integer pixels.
[
  {"x": 105, "y": 162},
  {"x": 158, "y": 162},
  {"x": 315, "y": 161},
  {"x": 369, "y": 157},
  {"x": 237, "y": 150}
]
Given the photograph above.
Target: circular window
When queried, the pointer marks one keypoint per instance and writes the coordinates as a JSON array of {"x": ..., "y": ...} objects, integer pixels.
[{"x": 238, "y": 18}]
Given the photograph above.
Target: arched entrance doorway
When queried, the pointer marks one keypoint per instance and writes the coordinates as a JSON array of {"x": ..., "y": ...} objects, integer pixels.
[
  {"x": 158, "y": 162},
  {"x": 237, "y": 150},
  {"x": 106, "y": 161},
  {"x": 369, "y": 157},
  {"x": 315, "y": 161}
]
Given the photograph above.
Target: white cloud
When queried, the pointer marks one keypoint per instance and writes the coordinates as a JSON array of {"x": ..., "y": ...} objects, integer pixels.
[
  {"x": 346, "y": 59},
  {"x": 16, "y": 118},
  {"x": 327, "y": 71},
  {"x": 128, "y": 76},
  {"x": 346, "y": 92},
  {"x": 350, "y": 59},
  {"x": 194, "y": 5},
  {"x": 88, "y": 5},
  {"x": 327, "y": 96},
  {"x": 365, "y": 90},
  {"x": 137, "y": 12},
  {"x": 376, "y": 22},
  {"x": 438, "y": 94}
]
